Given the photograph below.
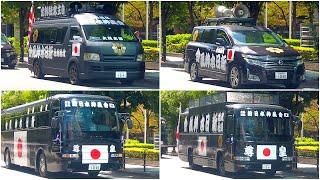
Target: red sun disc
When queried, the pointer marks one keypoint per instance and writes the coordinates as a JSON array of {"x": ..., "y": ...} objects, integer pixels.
[
  {"x": 95, "y": 154},
  {"x": 202, "y": 145},
  {"x": 75, "y": 49},
  {"x": 266, "y": 152},
  {"x": 19, "y": 147}
]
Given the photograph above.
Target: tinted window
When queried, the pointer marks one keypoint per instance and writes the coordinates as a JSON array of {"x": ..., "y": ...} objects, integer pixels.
[
  {"x": 74, "y": 32},
  {"x": 221, "y": 34},
  {"x": 208, "y": 36},
  {"x": 48, "y": 35}
]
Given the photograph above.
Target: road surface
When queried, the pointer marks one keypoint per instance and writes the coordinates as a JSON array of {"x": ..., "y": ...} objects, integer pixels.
[
  {"x": 172, "y": 165},
  {"x": 22, "y": 79}
]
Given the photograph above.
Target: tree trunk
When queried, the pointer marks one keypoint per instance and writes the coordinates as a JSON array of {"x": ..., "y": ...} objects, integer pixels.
[
  {"x": 164, "y": 17},
  {"x": 151, "y": 4},
  {"x": 21, "y": 34},
  {"x": 294, "y": 19},
  {"x": 191, "y": 15}
]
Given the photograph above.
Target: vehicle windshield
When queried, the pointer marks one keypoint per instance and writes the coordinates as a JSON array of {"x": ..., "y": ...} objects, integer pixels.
[
  {"x": 256, "y": 37},
  {"x": 264, "y": 129},
  {"x": 108, "y": 33},
  {"x": 4, "y": 39},
  {"x": 90, "y": 121}
]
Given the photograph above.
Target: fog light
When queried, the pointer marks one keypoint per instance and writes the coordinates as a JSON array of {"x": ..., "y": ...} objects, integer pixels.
[{"x": 252, "y": 77}]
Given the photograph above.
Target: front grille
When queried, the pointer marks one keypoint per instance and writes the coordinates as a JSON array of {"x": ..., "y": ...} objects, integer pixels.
[
  {"x": 279, "y": 65},
  {"x": 108, "y": 58}
]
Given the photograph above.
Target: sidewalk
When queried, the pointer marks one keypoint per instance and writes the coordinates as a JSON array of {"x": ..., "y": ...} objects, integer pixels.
[{"x": 306, "y": 169}]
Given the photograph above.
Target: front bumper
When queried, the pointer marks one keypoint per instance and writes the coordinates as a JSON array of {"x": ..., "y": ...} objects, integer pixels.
[
  {"x": 135, "y": 70},
  {"x": 254, "y": 74}
]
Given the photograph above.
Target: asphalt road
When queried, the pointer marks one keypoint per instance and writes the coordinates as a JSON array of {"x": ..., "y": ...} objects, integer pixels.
[
  {"x": 29, "y": 174},
  {"x": 22, "y": 79},
  {"x": 177, "y": 79},
  {"x": 172, "y": 164}
]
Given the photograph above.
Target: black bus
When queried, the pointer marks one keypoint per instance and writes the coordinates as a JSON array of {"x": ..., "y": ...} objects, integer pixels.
[
  {"x": 237, "y": 132},
  {"x": 85, "y": 43},
  {"x": 64, "y": 133}
]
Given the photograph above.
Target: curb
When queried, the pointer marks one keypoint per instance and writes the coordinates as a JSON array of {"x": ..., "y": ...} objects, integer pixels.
[
  {"x": 22, "y": 65},
  {"x": 180, "y": 55}
]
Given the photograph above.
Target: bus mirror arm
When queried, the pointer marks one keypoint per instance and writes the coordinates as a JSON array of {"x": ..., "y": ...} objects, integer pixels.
[
  {"x": 297, "y": 122},
  {"x": 125, "y": 118}
]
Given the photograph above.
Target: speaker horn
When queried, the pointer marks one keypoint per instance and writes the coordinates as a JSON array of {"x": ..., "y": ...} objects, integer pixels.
[
  {"x": 241, "y": 11},
  {"x": 222, "y": 11}
]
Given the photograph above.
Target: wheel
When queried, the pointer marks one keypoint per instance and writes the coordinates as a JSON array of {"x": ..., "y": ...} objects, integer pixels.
[
  {"x": 126, "y": 82},
  {"x": 221, "y": 169},
  {"x": 194, "y": 73},
  {"x": 37, "y": 70},
  {"x": 235, "y": 77},
  {"x": 11, "y": 66},
  {"x": 7, "y": 159},
  {"x": 42, "y": 165},
  {"x": 292, "y": 85},
  {"x": 74, "y": 74},
  {"x": 93, "y": 173},
  {"x": 270, "y": 173}
]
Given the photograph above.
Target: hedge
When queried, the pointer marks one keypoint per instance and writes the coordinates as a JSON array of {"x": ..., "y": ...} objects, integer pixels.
[
  {"x": 151, "y": 54},
  {"x": 152, "y": 154},
  {"x": 150, "y": 43},
  {"x": 131, "y": 143},
  {"x": 16, "y": 44},
  {"x": 177, "y": 43},
  {"x": 307, "y": 147},
  {"x": 293, "y": 42}
]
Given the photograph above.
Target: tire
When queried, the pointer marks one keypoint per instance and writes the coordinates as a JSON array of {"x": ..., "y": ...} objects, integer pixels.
[
  {"x": 73, "y": 72},
  {"x": 37, "y": 70},
  {"x": 93, "y": 173},
  {"x": 42, "y": 166},
  {"x": 235, "y": 77},
  {"x": 220, "y": 166},
  {"x": 126, "y": 82},
  {"x": 194, "y": 72},
  {"x": 11, "y": 66},
  {"x": 270, "y": 173},
  {"x": 292, "y": 85},
  {"x": 7, "y": 159}
]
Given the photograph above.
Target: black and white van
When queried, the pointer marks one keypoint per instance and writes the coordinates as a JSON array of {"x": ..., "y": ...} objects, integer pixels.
[
  {"x": 239, "y": 52},
  {"x": 85, "y": 45}
]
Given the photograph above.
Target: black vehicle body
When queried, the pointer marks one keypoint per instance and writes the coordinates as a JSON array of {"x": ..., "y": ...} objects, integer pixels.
[
  {"x": 79, "y": 52},
  {"x": 8, "y": 54},
  {"x": 63, "y": 134},
  {"x": 221, "y": 134},
  {"x": 217, "y": 54}
]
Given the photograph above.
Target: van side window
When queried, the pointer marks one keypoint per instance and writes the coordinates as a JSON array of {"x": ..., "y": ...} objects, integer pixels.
[
  {"x": 61, "y": 33},
  {"x": 208, "y": 36},
  {"x": 221, "y": 34},
  {"x": 196, "y": 35}
]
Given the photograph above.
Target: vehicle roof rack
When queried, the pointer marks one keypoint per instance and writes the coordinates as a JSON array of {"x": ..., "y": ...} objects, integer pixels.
[
  {"x": 236, "y": 97},
  {"x": 230, "y": 21}
]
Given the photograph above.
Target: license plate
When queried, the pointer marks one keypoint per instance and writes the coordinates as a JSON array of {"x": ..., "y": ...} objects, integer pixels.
[
  {"x": 121, "y": 74},
  {"x": 94, "y": 167},
  {"x": 281, "y": 75},
  {"x": 2, "y": 60},
  {"x": 266, "y": 166}
]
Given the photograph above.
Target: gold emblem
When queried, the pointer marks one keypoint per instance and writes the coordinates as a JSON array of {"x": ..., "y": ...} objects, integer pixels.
[
  {"x": 195, "y": 35},
  {"x": 274, "y": 50},
  {"x": 35, "y": 35},
  {"x": 118, "y": 48}
]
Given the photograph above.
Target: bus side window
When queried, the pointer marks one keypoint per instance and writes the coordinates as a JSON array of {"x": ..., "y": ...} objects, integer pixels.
[
  {"x": 61, "y": 34},
  {"x": 230, "y": 125}
]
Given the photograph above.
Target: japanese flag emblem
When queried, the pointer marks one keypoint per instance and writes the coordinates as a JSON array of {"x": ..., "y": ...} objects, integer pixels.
[
  {"x": 20, "y": 148},
  {"x": 95, "y": 154},
  {"x": 267, "y": 152},
  {"x": 202, "y": 146},
  {"x": 230, "y": 54},
  {"x": 76, "y": 49}
]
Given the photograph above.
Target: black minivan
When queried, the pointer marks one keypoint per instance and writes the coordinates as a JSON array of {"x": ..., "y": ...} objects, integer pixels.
[
  {"x": 86, "y": 45},
  {"x": 8, "y": 54},
  {"x": 242, "y": 54}
]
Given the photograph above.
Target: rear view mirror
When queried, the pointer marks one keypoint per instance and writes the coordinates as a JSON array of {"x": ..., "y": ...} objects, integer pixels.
[
  {"x": 297, "y": 122},
  {"x": 125, "y": 118}
]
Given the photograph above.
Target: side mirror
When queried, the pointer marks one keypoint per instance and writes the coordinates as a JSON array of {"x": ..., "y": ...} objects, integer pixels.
[
  {"x": 77, "y": 39},
  {"x": 55, "y": 122},
  {"x": 125, "y": 118},
  {"x": 297, "y": 122},
  {"x": 220, "y": 42},
  {"x": 11, "y": 42},
  {"x": 138, "y": 36}
]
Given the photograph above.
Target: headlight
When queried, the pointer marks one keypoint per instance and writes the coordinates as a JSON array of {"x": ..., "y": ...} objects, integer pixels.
[
  {"x": 251, "y": 59},
  {"x": 91, "y": 57},
  {"x": 140, "y": 57},
  {"x": 299, "y": 61},
  {"x": 242, "y": 158}
]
